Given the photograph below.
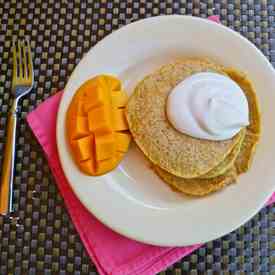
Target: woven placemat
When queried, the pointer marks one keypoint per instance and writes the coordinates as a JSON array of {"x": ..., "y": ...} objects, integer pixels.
[{"x": 43, "y": 240}]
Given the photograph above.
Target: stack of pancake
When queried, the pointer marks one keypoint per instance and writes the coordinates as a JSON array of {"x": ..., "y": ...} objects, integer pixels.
[{"x": 190, "y": 165}]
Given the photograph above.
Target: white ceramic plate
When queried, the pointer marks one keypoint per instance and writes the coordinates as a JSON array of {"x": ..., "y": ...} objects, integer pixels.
[{"x": 132, "y": 200}]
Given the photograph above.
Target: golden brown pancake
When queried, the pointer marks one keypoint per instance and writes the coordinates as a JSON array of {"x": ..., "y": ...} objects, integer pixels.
[
  {"x": 244, "y": 159},
  {"x": 249, "y": 90},
  {"x": 197, "y": 187},
  {"x": 228, "y": 162},
  {"x": 175, "y": 152},
  {"x": 200, "y": 187}
]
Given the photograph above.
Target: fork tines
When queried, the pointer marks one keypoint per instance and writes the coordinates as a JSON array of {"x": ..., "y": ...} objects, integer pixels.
[{"x": 22, "y": 62}]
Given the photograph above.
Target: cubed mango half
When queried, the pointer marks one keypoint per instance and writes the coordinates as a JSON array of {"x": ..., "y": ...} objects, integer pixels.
[
  {"x": 78, "y": 127},
  {"x": 104, "y": 146},
  {"x": 97, "y": 96},
  {"x": 96, "y": 125},
  {"x": 122, "y": 141},
  {"x": 119, "y": 99},
  {"x": 88, "y": 166},
  {"x": 119, "y": 120},
  {"x": 99, "y": 120},
  {"x": 113, "y": 83},
  {"x": 83, "y": 147}
]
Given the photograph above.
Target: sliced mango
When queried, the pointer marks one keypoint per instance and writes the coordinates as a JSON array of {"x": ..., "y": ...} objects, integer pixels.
[
  {"x": 88, "y": 166},
  {"x": 119, "y": 120},
  {"x": 96, "y": 125},
  {"x": 122, "y": 141},
  {"x": 106, "y": 165},
  {"x": 113, "y": 83},
  {"x": 99, "y": 120},
  {"x": 77, "y": 109},
  {"x": 119, "y": 155},
  {"x": 97, "y": 96},
  {"x": 84, "y": 147},
  {"x": 78, "y": 127},
  {"x": 99, "y": 80},
  {"x": 102, "y": 80},
  {"x": 119, "y": 99},
  {"x": 80, "y": 108},
  {"x": 104, "y": 146}
]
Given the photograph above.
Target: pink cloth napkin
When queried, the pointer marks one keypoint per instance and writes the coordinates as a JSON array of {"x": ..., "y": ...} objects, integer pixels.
[{"x": 111, "y": 252}]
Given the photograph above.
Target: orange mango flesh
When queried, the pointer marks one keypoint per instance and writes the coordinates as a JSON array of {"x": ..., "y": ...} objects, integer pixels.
[
  {"x": 96, "y": 96},
  {"x": 120, "y": 122},
  {"x": 105, "y": 147},
  {"x": 123, "y": 141},
  {"x": 100, "y": 120},
  {"x": 119, "y": 99},
  {"x": 88, "y": 166},
  {"x": 84, "y": 147},
  {"x": 97, "y": 130},
  {"x": 78, "y": 127},
  {"x": 113, "y": 83}
]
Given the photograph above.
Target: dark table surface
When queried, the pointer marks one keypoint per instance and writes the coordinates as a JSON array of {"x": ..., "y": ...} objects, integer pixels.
[{"x": 43, "y": 240}]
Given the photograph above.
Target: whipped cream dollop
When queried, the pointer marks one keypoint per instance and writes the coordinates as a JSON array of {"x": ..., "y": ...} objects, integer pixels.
[{"x": 208, "y": 106}]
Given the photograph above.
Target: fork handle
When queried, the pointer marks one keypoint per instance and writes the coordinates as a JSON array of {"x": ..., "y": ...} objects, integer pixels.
[{"x": 6, "y": 184}]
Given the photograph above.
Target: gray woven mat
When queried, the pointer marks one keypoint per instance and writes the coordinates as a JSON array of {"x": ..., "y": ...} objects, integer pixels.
[{"x": 43, "y": 240}]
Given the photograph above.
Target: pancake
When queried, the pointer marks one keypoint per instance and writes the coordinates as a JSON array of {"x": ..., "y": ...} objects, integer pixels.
[
  {"x": 174, "y": 152},
  {"x": 245, "y": 157},
  {"x": 201, "y": 187},
  {"x": 253, "y": 131},
  {"x": 228, "y": 162},
  {"x": 197, "y": 187},
  {"x": 242, "y": 152},
  {"x": 254, "y": 112},
  {"x": 243, "y": 161}
]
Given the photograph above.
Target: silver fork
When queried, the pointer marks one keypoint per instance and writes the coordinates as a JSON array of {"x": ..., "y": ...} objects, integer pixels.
[{"x": 22, "y": 83}]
